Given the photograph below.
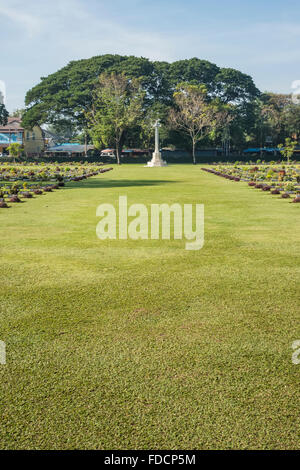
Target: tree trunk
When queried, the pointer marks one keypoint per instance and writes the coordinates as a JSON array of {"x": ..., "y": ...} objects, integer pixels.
[
  {"x": 194, "y": 156},
  {"x": 119, "y": 147},
  {"x": 118, "y": 152},
  {"x": 85, "y": 144}
]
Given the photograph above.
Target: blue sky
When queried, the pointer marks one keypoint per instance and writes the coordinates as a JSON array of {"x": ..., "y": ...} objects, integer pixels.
[{"x": 261, "y": 38}]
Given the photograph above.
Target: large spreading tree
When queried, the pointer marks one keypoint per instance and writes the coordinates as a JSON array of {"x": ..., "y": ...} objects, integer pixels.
[
  {"x": 68, "y": 93},
  {"x": 64, "y": 98}
]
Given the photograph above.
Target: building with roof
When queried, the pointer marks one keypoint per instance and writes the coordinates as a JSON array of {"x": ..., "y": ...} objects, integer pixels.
[
  {"x": 32, "y": 140},
  {"x": 68, "y": 149},
  {"x": 13, "y": 132}
]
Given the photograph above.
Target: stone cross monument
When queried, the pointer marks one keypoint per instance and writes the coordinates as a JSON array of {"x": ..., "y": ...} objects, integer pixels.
[{"x": 156, "y": 156}]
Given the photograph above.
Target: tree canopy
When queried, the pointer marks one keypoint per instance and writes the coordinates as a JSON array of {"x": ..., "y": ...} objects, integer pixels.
[{"x": 67, "y": 93}]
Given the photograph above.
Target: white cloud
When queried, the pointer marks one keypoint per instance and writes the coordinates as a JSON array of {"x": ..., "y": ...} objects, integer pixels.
[
  {"x": 64, "y": 30},
  {"x": 31, "y": 23},
  {"x": 72, "y": 28}
]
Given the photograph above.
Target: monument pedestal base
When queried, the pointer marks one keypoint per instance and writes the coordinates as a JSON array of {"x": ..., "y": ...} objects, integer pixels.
[{"x": 156, "y": 160}]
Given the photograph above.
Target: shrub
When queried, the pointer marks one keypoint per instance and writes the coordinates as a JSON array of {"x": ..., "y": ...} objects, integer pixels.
[
  {"x": 14, "y": 199},
  {"x": 14, "y": 188},
  {"x": 27, "y": 195}
]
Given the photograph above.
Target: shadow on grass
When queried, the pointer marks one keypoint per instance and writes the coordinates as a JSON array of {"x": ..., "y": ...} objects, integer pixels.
[{"x": 98, "y": 183}]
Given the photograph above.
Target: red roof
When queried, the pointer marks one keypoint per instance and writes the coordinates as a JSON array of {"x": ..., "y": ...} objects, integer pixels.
[{"x": 13, "y": 124}]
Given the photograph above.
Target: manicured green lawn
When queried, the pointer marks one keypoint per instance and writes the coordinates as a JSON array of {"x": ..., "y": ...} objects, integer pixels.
[{"x": 142, "y": 344}]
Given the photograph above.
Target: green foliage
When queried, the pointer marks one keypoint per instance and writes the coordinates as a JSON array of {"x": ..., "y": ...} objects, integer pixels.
[
  {"x": 291, "y": 119},
  {"x": 195, "y": 115},
  {"x": 67, "y": 96},
  {"x": 235, "y": 86},
  {"x": 3, "y": 115},
  {"x": 275, "y": 116},
  {"x": 15, "y": 149},
  {"x": 287, "y": 150},
  {"x": 69, "y": 91},
  {"x": 116, "y": 106}
]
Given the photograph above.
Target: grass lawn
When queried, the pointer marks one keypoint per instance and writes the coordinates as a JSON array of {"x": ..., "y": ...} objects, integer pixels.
[{"x": 141, "y": 344}]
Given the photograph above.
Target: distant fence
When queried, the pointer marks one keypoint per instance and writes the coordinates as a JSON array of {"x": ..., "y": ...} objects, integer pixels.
[
  {"x": 171, "y": 156},
  {"x": 214, "y": 156}
]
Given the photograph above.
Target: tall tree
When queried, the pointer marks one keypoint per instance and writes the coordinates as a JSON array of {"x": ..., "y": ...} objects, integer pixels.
[
  {"x": 116, "y": 107},
  {"x": 272, "y": 117},
  {"x": 3, "y": 115},
  {"x": 195, "y": 115}
]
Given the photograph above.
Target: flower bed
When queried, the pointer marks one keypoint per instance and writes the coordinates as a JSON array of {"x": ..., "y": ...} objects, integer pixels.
[
  {"x": 282, "y": 180},
  {"x": 28, "y": 180}
]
